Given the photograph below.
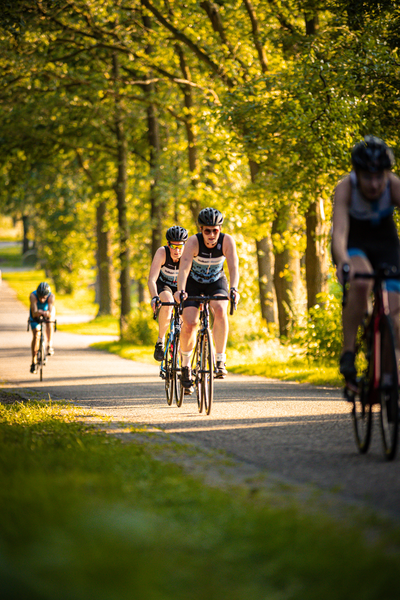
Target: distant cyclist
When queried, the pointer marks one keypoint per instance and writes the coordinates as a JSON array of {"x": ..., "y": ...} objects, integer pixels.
[
  {"x": 42, "y": 305},
  {"x": 365, "y": 236},
  {"x": 162, "y": 280},
  {"x": 201, "y": 272}
]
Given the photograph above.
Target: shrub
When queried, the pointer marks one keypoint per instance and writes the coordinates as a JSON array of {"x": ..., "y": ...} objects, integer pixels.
[
  {"x": 141, "y": 328},
  {"x": 321, "y": 336}
]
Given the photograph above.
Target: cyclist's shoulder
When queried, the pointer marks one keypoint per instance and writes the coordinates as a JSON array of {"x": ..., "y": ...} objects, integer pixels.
[{"x": 395, "y": 188}]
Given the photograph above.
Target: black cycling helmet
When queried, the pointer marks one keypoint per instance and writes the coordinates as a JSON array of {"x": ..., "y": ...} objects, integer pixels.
[
  {"x": 177, "y": 234},
  {"x": 43, "y": 289},
  {"x": 372, "y": 155},
  {"x": 210, "y": 216}
]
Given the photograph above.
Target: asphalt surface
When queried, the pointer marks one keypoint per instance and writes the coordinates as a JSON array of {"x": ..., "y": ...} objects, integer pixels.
[{"x": 296, "y": 432}]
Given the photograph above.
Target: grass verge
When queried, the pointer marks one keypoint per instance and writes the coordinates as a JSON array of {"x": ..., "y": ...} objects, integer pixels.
[{"x": 85, "y": 514}]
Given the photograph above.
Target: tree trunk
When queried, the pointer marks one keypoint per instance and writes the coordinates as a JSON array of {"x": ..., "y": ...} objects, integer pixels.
[
  {"x": 123, "y": 226},
  {"x": 316, "y": 254},
  {"x": 194, "y": 204},
  {"x": 157, "y": 205},
  {"x": 25, "y": 241},
  {"x": 265, "y": 268},
  {"x": 287, "y": 278},
  {"x": 266, "y": 281},
  {"x": 105, "y": 291}
]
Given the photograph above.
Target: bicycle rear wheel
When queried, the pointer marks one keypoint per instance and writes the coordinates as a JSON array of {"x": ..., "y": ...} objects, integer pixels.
[
  {"x": 207, "y": 370},
  {"x": 176, "y": 372},
  {"x": 362, "y": 409},
  {"x": 168, "y": 381},
  {"x": 388, "y": 389}
]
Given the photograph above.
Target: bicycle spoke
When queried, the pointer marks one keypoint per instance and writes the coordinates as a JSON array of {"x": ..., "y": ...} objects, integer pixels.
[{"x": 176, "y": 370}]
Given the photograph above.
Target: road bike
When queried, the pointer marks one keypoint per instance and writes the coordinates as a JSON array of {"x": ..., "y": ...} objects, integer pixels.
[
  {"x": 203, "y": 358},
  {"x": 41, "y": 358},
  {"x": 377, "y": 368},
  {"x": 170, "y": 367}
]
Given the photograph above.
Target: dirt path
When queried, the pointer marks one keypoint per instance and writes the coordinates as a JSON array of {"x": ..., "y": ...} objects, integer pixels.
[{"x": 297, "y": 432}]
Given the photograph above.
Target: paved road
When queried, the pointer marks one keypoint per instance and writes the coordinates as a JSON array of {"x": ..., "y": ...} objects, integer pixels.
[{"x": 297, "y": 432}]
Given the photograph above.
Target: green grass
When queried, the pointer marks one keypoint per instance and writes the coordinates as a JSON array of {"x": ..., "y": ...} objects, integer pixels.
[
  {"x": 103, "y": 325},
  {"x": 11, "y": 256},
  {"x": 84, "y": 514}
]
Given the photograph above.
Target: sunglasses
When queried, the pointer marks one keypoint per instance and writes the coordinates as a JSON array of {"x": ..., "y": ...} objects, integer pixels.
[
  {"x": 208, "y": 231},
  {"x": 176, "y": 246}
]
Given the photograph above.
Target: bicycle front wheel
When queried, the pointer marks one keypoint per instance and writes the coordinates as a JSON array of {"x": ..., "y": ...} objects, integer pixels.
[
  {"x": 207, "y": 371},
  {"x": 197, "y": 374},
  {"x": 362, "y": 409},
  {"x": 41, "y": 357},
  {"x": 169, "y": 381},
  {"x": 388, "y": 389}
]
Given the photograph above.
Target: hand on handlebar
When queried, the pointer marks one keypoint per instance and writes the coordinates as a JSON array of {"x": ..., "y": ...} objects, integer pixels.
[{"x": 180, "y": 296}]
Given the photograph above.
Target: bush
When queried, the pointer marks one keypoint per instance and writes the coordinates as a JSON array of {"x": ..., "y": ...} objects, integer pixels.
[
  {"x": 141, "y": 328},
  {"x": 321, "y": 337}
]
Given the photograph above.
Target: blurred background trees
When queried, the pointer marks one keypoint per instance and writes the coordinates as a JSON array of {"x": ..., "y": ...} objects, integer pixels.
[{"x": 120, "y": 119}]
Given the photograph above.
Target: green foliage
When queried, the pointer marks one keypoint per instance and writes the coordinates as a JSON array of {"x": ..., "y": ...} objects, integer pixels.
[
  {"x": 141, "y": 329},
  {"x": 321, "y": 336}
]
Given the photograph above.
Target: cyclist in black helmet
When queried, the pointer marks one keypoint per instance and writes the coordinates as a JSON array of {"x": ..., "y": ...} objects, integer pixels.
[
  {"x": 364, "y": 236},
  {"x": 162, "y": 280},
  {"x": 42, "y": 304},
  {"x": 202, "y": 272}
]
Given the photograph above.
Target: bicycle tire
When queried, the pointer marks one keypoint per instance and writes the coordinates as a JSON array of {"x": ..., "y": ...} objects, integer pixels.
[
  {"x": 41, "y": 356},
  {"x": 362, "y": 408},
  {"x": 207, "y": 370},
  {"x": 168, "y": 381},
  {"x": 176, "y": 371},
  {"x": 388, "y": 389},
  {"x": 196, "y": 373}
]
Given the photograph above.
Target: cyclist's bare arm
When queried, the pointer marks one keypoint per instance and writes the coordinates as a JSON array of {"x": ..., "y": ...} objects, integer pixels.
[
  {"x": 395, "y": 189},
  {"x": 51, "y": 303},
  {"x": 158, "y": 261},
  {"x": 190, "y": 251},
  {"x": 340, "y": 222},
  {"x": 232, "y": 260}
]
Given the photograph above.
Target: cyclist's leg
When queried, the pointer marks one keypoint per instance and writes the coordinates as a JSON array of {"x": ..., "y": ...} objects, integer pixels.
[
  {"x": 394, "y": 308},
  {"x": 35, "y": 341},
  {"x": 164, "y": 316},
  {"x": 354, "y": 311},
  {"x": 50, "y": 331},
  {"x": 221, "y": 324}
]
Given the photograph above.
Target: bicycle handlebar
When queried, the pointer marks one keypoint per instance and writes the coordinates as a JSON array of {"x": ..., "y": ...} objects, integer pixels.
[
  {"x": 40, "y": 319},
  {"x": 381, "y": 274}
]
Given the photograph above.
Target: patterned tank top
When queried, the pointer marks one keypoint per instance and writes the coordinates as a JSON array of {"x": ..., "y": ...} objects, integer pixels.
[
  {"x": 208, "y": 265},
  {"x": 169, "y": 270}
]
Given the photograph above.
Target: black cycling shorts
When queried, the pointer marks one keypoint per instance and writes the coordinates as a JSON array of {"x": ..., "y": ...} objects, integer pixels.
[
  {"x": 164, "y": 287},
  {"x": 194, "y": 288}
]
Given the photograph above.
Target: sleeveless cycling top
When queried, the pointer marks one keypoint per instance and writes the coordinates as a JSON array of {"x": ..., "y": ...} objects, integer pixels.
[
  {"x": 364, "y": 210},
  {"x": 208, "y": 265},
  {"x": 41, "y": 305},
  {"x": 169, "y": 270}
]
